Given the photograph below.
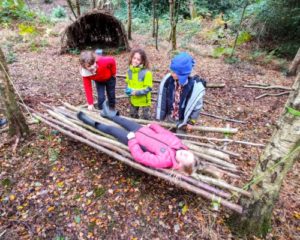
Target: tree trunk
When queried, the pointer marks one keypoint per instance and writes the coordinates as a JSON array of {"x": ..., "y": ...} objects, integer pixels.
[
  {"x": 239, "y": 27},
  {"x": 16, "y": 120},
  {"x": 193, "y": 12},
  {"x": 156, "y": 33},
  {"x": 78, "y": 8},
  {"x": 71, "y": 7},
  {"x": 153, "y": 17},
  {"x": 94, "y": 3},
  {"x": 278, "y": 158},
  {"x": 295, "y": 64},
  {"x": 129, "y": 19},
  {"x": 173, "y": 24}
]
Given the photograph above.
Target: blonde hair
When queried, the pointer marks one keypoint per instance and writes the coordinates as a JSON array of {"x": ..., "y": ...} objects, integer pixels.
[
  {"x": 188, "y": 164},
  {"x": 87, "y": 57}
]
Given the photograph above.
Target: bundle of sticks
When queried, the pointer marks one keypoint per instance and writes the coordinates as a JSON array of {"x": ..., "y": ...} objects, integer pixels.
[{"x": 206, "y": 181}]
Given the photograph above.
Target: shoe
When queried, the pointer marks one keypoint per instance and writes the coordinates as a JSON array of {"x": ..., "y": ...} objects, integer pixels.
[
  {"x": 107, "y": 112},
  {"x": 3, "y": 122},
  {"x": 84, "y": 118}
]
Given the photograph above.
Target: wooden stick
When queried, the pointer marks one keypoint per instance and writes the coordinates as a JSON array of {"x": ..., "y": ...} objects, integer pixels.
[
  {"x": 268, "y": 87},
  {"x": 220, "y": 183},
  {"x": 197, "y": 183},
  {"x": 223, "y": 118},
  {"x": 221, "y": 140},
  {"x": 215, "y": 85},
  {"x": 213, "y": 147},
  {"x": 215, "y": 160},
  {"x": 184, "y": 185},
  {"x": 195, "y": 127},
  {"x": 208, "y": 151},
  {"x": 272, "y": 94}
]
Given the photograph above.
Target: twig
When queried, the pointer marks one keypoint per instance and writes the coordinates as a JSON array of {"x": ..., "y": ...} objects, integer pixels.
[
  {"x": 1, "y": 234},
  {"x": 215, "y": 85},
  {"x": 223, "y": 118},
  {"x": 268, "y": 87},
  {"x": 15, "y": 145},
  {"x": 272, "y": 94},
  {"x": 213, "y": 104}
]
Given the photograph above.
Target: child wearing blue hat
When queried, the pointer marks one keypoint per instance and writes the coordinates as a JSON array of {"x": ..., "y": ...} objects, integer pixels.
[{"x": 180, "y": 96}]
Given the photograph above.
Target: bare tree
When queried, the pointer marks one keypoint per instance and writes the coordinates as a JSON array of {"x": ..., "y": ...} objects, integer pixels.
[
  {"x": 246, "y": 3},
  {"x": 72, "y": 8},
  {"x": 278, "y": 158},
  {"x": 78, "y": 8},
  {"x": 192, "y": 8},
  {"x": 173, "y": 23},
  {"x": 94, "y": 3},
  {"x": 154, "y": 10},
  {"x": 129, "y": 19},
  {"x": 295, "y": 64},
  {"x": 16, "y": 120}
]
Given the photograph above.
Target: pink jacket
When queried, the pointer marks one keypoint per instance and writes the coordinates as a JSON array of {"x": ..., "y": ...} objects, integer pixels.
[{"x": 161, "y": 146}]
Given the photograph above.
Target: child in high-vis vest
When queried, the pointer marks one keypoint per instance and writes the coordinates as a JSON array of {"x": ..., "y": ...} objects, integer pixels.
[
  {"x": 139, "y": 84},
  {"x": 101, "y": 70}
]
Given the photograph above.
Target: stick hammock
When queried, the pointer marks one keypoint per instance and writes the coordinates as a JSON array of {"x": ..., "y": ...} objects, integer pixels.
[{"x": 202, "y": 182}]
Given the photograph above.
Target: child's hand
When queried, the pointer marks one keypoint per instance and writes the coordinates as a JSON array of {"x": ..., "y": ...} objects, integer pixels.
[
  {"x": 128, "y": 91},
  {"x": 91, "y": 107},
  {"x": 133, "y": 93}
]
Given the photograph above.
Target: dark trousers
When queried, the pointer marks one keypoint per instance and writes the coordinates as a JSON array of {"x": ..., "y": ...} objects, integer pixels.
[
  {"x": 119, "y": 133},
  {"x": 134, "y": 112},
  {"x": 110, "y": 86}
]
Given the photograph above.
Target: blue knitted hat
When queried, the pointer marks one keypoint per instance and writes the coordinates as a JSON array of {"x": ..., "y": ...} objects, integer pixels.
[{"x": 182, "y": 64}]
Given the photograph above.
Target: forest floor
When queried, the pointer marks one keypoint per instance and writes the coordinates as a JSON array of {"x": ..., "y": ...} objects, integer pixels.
[{"x": 53, "y": 187}]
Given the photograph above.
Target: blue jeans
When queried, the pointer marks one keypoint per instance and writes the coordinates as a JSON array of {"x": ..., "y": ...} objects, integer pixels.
[{"x": 110, "y": 86}]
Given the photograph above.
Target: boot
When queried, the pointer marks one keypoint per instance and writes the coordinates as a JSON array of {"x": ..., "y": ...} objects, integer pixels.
[
  {"x": 84, "y": 118},
  {"x": 3, "y": 121},
  {"x": 107, "y": 112}
]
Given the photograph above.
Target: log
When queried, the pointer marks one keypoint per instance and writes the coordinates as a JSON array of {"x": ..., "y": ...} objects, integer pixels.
[
  {"x": 272, "y": 94},
  {"x": 268, "y": 87}
]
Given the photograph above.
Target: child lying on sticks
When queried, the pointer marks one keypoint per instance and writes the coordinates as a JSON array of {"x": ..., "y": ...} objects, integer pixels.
[{"x": 150, "y": 145}]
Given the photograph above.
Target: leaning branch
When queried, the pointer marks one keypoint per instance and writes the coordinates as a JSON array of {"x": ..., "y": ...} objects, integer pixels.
[
  {"x": 267, "y": 87},
  {"x": 272, "y": 94}
]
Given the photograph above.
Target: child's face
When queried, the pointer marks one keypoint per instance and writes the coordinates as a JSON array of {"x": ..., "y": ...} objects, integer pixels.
[
  {"x": 174, "y": 75},
  {"x": 92, "y": 68},
  {"x": 136, "y": 60}
]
